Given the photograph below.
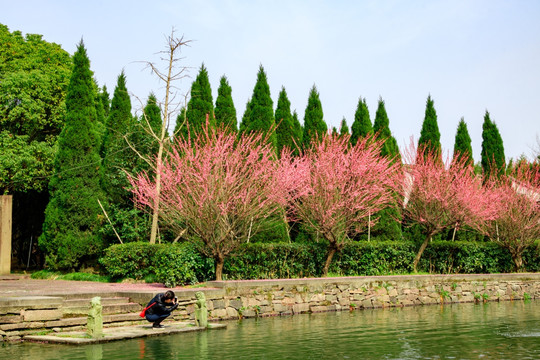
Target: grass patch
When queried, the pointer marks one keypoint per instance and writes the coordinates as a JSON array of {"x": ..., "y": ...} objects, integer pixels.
[
  {"x": 383, "y": 273},
  {"x": 75, "y": 276},
  {"x": 195, "y": 286},
  {"x": 76, "y": 336},
  {"x": 42, "y": 332}
]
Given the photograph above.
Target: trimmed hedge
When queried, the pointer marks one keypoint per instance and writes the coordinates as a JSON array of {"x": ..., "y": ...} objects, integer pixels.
[
  {"x": 275, "y": 261},
  {"x": 174, "y": 264},
  {"x": 130, "y": 260},
  {"x": 170, "y": 264}
]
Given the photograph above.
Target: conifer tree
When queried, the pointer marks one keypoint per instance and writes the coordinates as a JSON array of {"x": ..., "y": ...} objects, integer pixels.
[
  {"x": 245, "y": 117},
  {"x": 284, "y": 123},
  {"x": 430, "y": 137},
  {"x": 180, "y": 127},
  {"x": 130, "y": 223},
  {"x": 361, "y": 126},
  {"x": 298, "y": 132},
  {"x": 100, "y": 116},
  {"x": 148, "y": 127},
  {"x": 105, "y": 100},
  {"x": 343, "y": 128},
  {"x": 225, "y": 111},
  {"x": 381, "y": 126},
  {"x": 388, "y": 226},
  {"x": 462, "y": 144},
  {"x": 260, "y": 109},
  {"x": 314, "y": 125},
  {"x": 117, "y": 155},
  {"x": 200, "y": 104},
  {"x": 493, "y": 160},
  {"x": 73, "y": 213}
]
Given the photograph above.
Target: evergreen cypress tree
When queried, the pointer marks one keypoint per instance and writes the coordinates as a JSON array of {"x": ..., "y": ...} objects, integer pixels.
[
  {"x": 462, "y": 144},
  {"x": 150, "y": 122},
  {"x": 343, "y": 128},
  {"x": 100, "y": 116},
  {"x": 361, "y": 126},
  {"x": 430, "y": 137},
  {"x": 388, "y": 226},
  {"x": 381, "y": 126},
  {"x": 117, "y": 155},
  {"x": 225, "y": 110},
  {"x": 314, "y": 125},
  {"x": 105, "y": 100},
  {"x": 261, "y": 109},
  {"x": 297, "y": 133},
  {"x": 73, "y": 214},
  {"x": 285, "y": 131},
  {"x": 180, "y": 127},
  {"x": 493, "y": 160},
  {"x": 245, "y": 118},
  {"x": 200, "y": 104}
]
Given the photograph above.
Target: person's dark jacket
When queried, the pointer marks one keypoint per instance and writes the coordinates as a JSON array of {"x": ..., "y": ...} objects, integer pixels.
[{"x": 160, "y": 307}]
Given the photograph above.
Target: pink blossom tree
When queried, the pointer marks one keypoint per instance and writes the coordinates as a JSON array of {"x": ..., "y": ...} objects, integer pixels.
[
  {"x": 517, "y": 222},
  {"x": 340, "y": 186},
  {"x": 220, "y": 187},
  {"x": 439, "y": 195}
]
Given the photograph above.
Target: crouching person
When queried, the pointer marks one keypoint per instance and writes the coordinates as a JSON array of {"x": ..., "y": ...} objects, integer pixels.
[{"x": 160, "y": 307}]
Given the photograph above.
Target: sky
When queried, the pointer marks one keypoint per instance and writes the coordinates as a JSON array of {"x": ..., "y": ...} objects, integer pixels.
[{"x": 470, "y": 56}]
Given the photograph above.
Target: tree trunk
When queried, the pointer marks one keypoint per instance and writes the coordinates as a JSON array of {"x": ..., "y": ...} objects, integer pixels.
[
  {"x": 331, "y": 251},
  {"x": 219, "y": 267},
  {"x": 173, "y": 46},
  {"x": 421, "y": 251},
  {"x": 518, "y": 261},
  {"x": 155, "y": 214}
]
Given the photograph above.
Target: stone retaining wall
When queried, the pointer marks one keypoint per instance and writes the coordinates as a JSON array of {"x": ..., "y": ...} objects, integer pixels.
[
  {"x": 287, "y": 297},
  {"x": 251, "y": 298}
]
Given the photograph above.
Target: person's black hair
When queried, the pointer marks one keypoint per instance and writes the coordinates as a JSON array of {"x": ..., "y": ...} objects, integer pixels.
[{"x": 169, "y": 295}]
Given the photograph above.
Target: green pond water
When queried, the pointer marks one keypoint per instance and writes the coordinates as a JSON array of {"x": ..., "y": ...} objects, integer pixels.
[{"x": 507, "y": 330}]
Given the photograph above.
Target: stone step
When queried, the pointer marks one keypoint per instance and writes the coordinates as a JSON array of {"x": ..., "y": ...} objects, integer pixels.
[
  {"x": 122, "y": 308},
  {"x": 14, "y": 305},
  {"x": 86, "y": 302},
  {"x": 75, "y": 321}
]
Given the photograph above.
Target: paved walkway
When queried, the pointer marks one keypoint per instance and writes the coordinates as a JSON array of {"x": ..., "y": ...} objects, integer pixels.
[{"x": 20, "y": 285}]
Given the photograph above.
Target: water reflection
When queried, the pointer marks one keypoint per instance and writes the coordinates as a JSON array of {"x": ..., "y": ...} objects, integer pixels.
[
  {"x": 94, "y": 352},
  {"x": 491, "y": 331}
]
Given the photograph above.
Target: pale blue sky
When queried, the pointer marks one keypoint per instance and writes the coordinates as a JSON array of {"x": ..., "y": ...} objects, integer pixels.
[{"x": 469, "y": 55}]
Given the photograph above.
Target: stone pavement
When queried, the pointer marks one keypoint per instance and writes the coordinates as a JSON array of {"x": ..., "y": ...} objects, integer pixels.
[
  {"x": 30, "y": 306},
  {"x": 22, "y": 285},
  {"x": 120, "y": 333}
]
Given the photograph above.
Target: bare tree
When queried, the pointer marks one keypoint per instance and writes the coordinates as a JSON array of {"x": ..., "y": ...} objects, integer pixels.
[{"x": 171, "y": 73}]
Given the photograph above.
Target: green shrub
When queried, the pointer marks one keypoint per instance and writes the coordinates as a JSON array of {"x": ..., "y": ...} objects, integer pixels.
[
  {"x": 130, "y": 260},
  {"x": 181, "y": 263},
  {"x": 531, "y": 257},
  {"x": 449, "y": 257},
  {"x": 275, "y": 261},
  {"x": 374, "y": 258},
  {"x": 175, "y": 264}
]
